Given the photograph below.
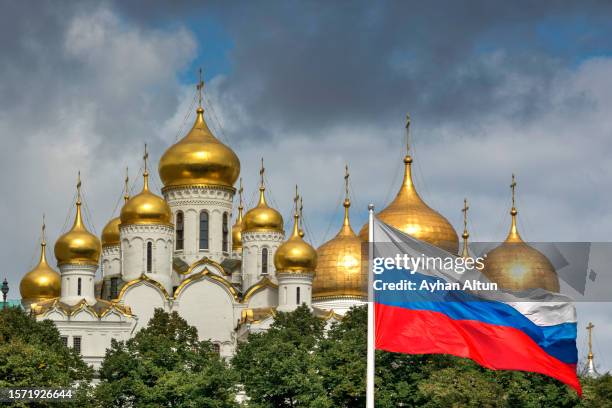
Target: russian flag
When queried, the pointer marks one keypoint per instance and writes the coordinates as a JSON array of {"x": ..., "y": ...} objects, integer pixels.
[{"x": 529, "y": 331}]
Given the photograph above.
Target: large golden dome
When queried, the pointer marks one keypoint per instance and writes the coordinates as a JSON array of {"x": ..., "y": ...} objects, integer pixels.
[
  {"x": 339, "y": 269},
  {"x": 78, "y": 246},
  {"x": 262, "y": 218},
  {"x": 238, "y": 225},
  {"x": 42, "y": 282},
  {"x": 146, "y": 207},
  {"x": 515, "y": 265},
  {"x": 199, "y": 159},
  {"x": 295, "y": 255},
  {"x": 409, "y": 213}
]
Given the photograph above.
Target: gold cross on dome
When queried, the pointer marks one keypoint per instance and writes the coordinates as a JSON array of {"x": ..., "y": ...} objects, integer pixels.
[
  {"x": 465, "y": 211},
  {"x": 513, "y": 187},
  {"x": 590, "y": 328},
  {"x": 346, "y": 180},
  {"x": 145, "y": 157},
  {"x": 79, "y": 187},
  {"x": 407, "y": 133}
]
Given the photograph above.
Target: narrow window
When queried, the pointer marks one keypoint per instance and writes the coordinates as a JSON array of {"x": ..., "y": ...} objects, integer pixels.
[
  {"x": 180, "y": 230},
  {"x": 203, "y": 230},
  {"x": 79, "y": 287},
  {"x": 65, "y": 340},
  {"x": 216, "y": 348},
  {"x": 149, "y": 256},
  {"x": 297, "y": 295},
  {"x": 225, "y": 233},
  {"x": 264, "y": 261},
  {"x": 76, "y": 344},
  {"x": 113, "y": 287}
]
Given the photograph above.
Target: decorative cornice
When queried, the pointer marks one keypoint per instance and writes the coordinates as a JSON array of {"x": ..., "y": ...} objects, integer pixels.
[
  {"x": 99, "y": 310},
  {"x": 206, "y": 274},
  {"x": 205, "y": 260},
  {"x": 263, "y": 283},
  {"x": 138, "y": 228},
  {"x": 142, "y": 279},
  {"x": 340, "y": 297},
  {"x": 253, "y": 236},
  {"x": 198, "y": 188}
]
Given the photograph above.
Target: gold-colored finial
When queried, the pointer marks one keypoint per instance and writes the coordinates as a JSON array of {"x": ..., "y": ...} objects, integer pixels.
[
  {"x": 240, "y": 191},
  {"x": 261, "y": 175},
  {"x": 301, "y": 217},
  {"x": 513, "y": 187},
  {"x": 407, "y": 133},
  {"x": 590, "y": 328},
  {"x": 200, "y": 87},
  {"x": 78, "y": 188},
  {"x": 44, "y": 227},
  {"x": 346, "y": 182},
  {"x": 145, "y": 157},
  {"x": 126, "y": 192},
  {"x": 465, "y": 252},
  {"x": 296, "y": 200}
]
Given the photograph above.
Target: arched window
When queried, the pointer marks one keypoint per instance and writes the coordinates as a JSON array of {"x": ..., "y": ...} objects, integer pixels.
[
  {"x": 225, "y": 233},
  {"x": 203, "y": 230},
  {"x": 297, "y": 295},
  {"x": 264, "y": 261},
  {"x": 79, "y": 287},
  {"x": 180, "y": 230},
  {"x": 149, "y": 256}
]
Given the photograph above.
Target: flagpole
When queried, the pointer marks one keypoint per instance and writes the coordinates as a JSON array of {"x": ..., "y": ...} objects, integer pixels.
[{"x": 370, "y": 359}]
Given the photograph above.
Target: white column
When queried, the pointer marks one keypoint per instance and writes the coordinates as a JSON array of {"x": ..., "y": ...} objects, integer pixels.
[
  {"x": 78, "y": 283},
  {"x": 294, "y": 289}
]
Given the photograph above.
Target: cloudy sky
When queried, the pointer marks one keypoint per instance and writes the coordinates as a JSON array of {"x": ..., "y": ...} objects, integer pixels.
[{"x": 493, "y": 88}]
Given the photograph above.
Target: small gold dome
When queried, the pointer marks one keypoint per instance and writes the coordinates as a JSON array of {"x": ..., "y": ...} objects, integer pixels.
[
  {"x": 146, "y": 207},
  {"x": 110, "y": 233},
  {"x": 262, "y": 218},
  {"x": 42, "y": 282},
  {"x": 409, "y": 213},
  {"x": 339, "y": 269},
  {"x": 295, "y": 255},
  {"x": 514, "y": 265},
  {"x": 199, "y": 159},
  {"x": 237, "y": 227},
  {"x": 78, "y": 246}
]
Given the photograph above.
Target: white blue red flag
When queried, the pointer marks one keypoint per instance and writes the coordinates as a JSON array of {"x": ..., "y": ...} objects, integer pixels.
[{"x": 450, "y": 310}]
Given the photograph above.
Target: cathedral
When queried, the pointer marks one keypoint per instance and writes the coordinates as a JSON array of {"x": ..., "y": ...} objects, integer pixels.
[{"x": 179, "y": 251}]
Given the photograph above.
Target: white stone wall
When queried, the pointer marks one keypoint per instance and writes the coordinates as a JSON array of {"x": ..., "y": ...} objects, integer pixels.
[
  {"x": 143, "y": 298},
  {"x": 111, "y": 261},
  {"x": 134, "y": 241},
  {"x": 288, "y": 286},
  {"x": 252, "y": 245},
  {"x": 70, "y": 274},
  {"x": 192, "y": 200},
  {"x": 95, "y": 333}
]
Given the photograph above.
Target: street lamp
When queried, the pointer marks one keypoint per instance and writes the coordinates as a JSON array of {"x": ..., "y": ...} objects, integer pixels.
[{"x": 5, "y": 290}]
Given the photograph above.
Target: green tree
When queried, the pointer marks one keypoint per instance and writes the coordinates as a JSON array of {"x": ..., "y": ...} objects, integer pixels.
[
  {"x": 32, "y": 354},
  {"x": 278, "y": 368},
  {"x": 165, "y": 365}
]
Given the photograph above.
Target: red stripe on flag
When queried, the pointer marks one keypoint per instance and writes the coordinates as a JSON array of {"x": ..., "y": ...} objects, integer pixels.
[{"x": 496, "y": 347}]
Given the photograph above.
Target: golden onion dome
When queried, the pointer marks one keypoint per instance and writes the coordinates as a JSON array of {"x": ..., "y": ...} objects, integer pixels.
[
  {"x": 78, "y": 246},
  {"x": 145, "y": 207},
  {"x": 199, "y": 158},
  {"x": 110, "y": 233},
  {"x": 515, "y": 265},
  {"x": 409, "y": 213},
  {"x": 295, "y": 255},
  {"x": 339, "y": 268},
  {"x": 42, "y": 282},
  {"x": 262, "y": 218},
  {"x": 237, "y": 227}
]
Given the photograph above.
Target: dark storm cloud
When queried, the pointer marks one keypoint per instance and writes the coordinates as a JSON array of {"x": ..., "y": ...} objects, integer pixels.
[{"x": 313, "y": 65}]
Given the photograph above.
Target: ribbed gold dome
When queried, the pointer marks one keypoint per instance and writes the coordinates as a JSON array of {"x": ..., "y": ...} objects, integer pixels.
[
  {"x": 339, "y": 271},
  {"x": 514, "y": 265},
  {"x": 199, "y": 159},
  {"x": 42, "y": 282},
  {"x": 295, "y": 255},
  {"x": 238, "y": 225},
  {"x": 146, "y": 208},
  {"x": 409, "y": 213},
  {"x": 262, "y": 218},
  {"x": 78, "y": 246}
]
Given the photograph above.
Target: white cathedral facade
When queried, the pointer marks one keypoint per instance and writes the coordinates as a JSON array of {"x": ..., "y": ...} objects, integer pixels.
[{"x": 182, "y": 252}]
